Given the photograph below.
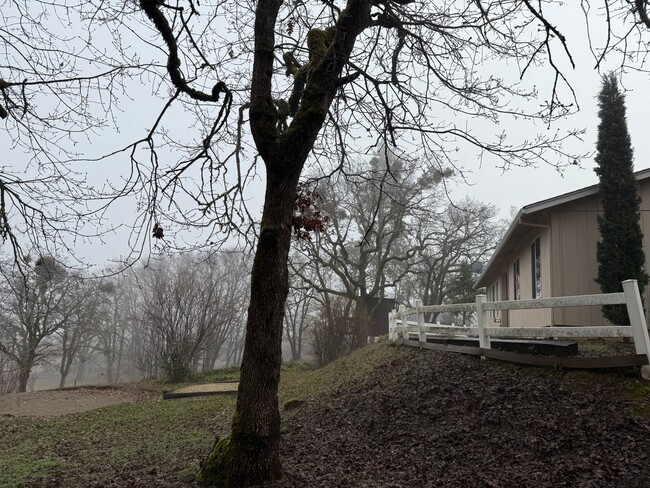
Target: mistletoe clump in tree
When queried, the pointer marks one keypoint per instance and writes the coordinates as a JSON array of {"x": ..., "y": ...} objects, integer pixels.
[{"x": 620, "y": 249}]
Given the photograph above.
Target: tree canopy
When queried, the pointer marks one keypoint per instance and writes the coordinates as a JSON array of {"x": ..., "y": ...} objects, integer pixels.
[{"x": 105, "y": 83}]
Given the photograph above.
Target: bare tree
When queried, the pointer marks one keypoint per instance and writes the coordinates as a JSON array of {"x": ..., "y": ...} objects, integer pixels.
[
  {"x": 336, "y": 330},
  {"x": 75, "y": 336},
  {"x": 298, "y": 315},
  {"x": 235, "y": 347},
  {"x": 174, "y": 311},
  {"x": 145, "y": 349},
  {"x": 449, "y": 238},
  {"x": 86, "y": 354},
  {"x": 627, "y": 26},
  {"x": 373, "y": 238},
  {"x": 192, "y": 303},
  {"x": 111, "y": 326},
  {"x": 9, "y": 370},
  {"x": 228, "y": 272},
  {"x": 143, "y": 345},
  {"x": 35, "y": 306}
]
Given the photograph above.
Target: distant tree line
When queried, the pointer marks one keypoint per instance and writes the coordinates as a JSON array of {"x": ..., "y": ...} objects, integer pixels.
[{"x": 174, "y": 316}]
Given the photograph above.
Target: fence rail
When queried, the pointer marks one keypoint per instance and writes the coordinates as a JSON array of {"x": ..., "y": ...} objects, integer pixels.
[
  {"x": 574, "y": 301},
  {"x": 399, "y": 323}
]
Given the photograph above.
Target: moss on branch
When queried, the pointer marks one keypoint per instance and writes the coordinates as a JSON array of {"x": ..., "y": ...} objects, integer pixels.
[{"x": 318, "y": 42}]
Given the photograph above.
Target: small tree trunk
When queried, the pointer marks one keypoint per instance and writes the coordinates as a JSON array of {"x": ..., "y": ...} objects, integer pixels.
[
  {"x": 295, "y": 353},
  {"x": 23, "y": 378},
  {"x": 81, "y": 367},
  {"x": 195, "y": 363},
  {"x": 119, "y": 357},
  {"x": 207, "y": 358},
  {"x": 64, "y": 368},
  {"x": 109, "y": 367},
  {"x": 212, "y": 350},
  {"x": 26, "y": 364},
  {"x": 63, "y": 371}
]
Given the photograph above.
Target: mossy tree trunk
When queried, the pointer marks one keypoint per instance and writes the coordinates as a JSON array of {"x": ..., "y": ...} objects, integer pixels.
[{"x": 251, "y": 453}]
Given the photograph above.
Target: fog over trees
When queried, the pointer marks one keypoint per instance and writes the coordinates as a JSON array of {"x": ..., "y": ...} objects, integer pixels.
[
  {"x": 171, "y": 318},
  {"x": 394, "y": 235}
]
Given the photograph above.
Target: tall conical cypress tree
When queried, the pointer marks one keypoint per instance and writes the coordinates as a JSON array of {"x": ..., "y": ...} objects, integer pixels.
[{"x": 620, "y": 249}]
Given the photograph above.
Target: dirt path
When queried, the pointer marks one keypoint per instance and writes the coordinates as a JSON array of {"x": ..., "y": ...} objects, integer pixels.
[{"x": 62, "y": 402}]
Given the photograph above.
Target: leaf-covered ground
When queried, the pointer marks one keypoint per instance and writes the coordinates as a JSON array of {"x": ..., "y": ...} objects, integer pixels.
[
  {"x": 445, "y": 420},
  {"x": 384, "y": 417}
]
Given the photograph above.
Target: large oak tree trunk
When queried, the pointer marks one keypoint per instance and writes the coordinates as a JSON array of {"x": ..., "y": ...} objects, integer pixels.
[{"x": 251, "y": 453}]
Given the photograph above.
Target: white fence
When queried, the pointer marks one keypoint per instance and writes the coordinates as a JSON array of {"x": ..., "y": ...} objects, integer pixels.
[{"x": 399, "y": 324}]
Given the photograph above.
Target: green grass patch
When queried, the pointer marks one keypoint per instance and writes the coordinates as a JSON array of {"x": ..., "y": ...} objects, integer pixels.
[
  {"x": 153, "y": 439},
  {"x": 216, "y": 376},
  {"x": 16, "y": 468},
  {"x": 78, "y": 450}
]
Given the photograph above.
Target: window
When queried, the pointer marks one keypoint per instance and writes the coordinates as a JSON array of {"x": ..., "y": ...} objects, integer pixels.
[
  {"x": 493, "y": 296},
  {"x": 516, "y": 281},
  {"x": 536, "y": 268}
]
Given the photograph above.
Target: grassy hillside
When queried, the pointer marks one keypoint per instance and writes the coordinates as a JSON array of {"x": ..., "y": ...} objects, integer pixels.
[
  {"x": 377, "y": 394},
  {"x": 149, "y": 443}
]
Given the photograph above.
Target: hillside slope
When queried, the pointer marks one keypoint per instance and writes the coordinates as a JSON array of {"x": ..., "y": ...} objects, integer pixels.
[
  {"x": 385, "y": 416},
  {"x": 430, "y": 419}
]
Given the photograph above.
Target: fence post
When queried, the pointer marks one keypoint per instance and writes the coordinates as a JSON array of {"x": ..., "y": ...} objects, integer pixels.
[
  {"x": 405, "y": 333},
  {"x": 637, "y": 322},
  {"x": 392, "y": 325},
  {"x": 422, "y": 337},
  {"x": 482, "y": 319}
]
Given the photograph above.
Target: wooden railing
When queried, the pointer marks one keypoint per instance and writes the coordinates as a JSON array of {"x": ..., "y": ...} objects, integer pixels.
[{"x": 401, "y": 328}]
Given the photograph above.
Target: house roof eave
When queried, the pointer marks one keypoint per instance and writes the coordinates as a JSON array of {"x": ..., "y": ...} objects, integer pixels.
[{"x": 497, "y": 252}]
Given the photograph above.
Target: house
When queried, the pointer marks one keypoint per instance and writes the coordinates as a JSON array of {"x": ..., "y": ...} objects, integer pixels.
[{"x": 549, "y": 250}]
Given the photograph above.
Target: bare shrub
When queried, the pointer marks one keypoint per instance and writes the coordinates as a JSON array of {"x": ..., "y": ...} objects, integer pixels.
[
  {"x": 193, "y": 305},
  {"x": 338, "y": 330}
]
